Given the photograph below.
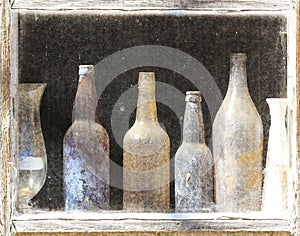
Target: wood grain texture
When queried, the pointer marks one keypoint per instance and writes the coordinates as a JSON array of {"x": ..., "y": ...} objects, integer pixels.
[
  {"x": 5, "y": 97},
  {"x": 297, "y": 162},
  {"x": 177, "y": 4},
  {"x": 129, "y": 225},
  {"x": 193, "y": 227},
  {"x": 157, "y": 233}
]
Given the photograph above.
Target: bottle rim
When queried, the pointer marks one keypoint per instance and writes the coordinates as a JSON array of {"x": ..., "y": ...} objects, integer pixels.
[
  {"x": 238, "y": 55},
  {"x": 84, "y": 69},
  {"x": 277, "y": 100},
  {"x": 193, "y": 96},
  {"x": 146, "y": 79}
]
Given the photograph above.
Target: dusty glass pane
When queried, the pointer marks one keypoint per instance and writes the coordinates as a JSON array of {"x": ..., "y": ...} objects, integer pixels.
[{"x": 51, "y": 46}]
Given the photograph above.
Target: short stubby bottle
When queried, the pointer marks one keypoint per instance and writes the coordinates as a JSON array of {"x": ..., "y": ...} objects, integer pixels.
[
  {"x": 146, "y": 158},
  {"x": 193, "y": 162},
  {"x": 86, "y": 151}
]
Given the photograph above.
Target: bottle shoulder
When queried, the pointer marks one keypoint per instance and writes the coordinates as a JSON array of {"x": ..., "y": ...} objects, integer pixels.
[
  {"x": 141, "y": 131},
  {"x": 238, "y": 110},
  {"x": 199, "y": 150},
  {"x": 237, "y": 129},
  {"x": 88, "y": 143},
  {"x": 86, "y": 129},
  {"x": 146, "y": 139}
]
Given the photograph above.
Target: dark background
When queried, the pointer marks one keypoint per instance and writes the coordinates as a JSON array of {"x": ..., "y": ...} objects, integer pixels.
[{"x": 51, "y": 46}]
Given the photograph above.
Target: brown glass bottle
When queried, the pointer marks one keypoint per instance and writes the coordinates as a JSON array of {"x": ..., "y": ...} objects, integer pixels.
[
  {"x": 238, "y": 145},
  {"x": 146, "y": 155},
  {"x": 193, "y": 162},
  {"x": 86, "y": 152}
]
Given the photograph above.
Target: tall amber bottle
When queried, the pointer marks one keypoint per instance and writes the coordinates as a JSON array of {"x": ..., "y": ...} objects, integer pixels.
[
  {"x": 86, "y": 151},
  {"x": 146, "y": 155},
  {"x": 193, "y": 162},
  {"x": 238, "y": 145}
]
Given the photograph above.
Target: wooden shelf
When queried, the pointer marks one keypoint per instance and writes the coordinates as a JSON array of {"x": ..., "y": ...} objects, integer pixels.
[
  {"x": 269, "y": 5},
  {"x": 150, "y": 222}
]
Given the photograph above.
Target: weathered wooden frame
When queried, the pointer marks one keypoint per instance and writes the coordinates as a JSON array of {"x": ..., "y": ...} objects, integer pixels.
[{"x": 56, "y": 223}]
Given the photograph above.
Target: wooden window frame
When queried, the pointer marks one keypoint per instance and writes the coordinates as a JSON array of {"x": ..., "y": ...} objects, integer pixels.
[{"x": 51, "y": 223}]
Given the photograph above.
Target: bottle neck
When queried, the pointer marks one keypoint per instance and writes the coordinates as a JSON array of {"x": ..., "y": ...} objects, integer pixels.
[
  {"x": 277, "y": 111},
  {"x": 238, "y": 75},
  {"x": 86, "y": 100},
  {"x": 146, "y": 106},
  {"x": 193, "y": 127}
]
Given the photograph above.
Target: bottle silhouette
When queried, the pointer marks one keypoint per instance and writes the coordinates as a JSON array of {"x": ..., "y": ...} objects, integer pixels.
[
  {"x": 238, "y": 145},
  {"x": 86, "y": 151},
  {"x": 276, "y": 179},
  {"x": 193, "y": 162},
  {"x": 146, "y": 155},
  {"x": 32, "y": 163}
]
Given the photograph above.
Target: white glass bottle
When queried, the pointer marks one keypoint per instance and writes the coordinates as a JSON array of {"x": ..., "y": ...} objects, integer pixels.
[{"x": 275, "y": 187}]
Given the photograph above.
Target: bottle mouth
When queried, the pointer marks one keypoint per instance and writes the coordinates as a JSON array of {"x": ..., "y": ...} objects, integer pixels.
[
  {"x": 193, "y": 96},
  {"x": 283, "y": 101},
  {"x": 146, "y": 79},
  {"x": 85, "y": 69},
  {"x": 238, "y": 56}
]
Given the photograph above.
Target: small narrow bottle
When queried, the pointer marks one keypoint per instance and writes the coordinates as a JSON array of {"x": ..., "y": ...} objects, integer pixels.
[
  {"x": 276, "y": 179},
  {"x": 86, "y": 151},
  {"x": 238, "y": 145},
  {"x": 193, "y": 162},
  {"x": 146, "y": 155},
  {"x": 32, "y": 162}
]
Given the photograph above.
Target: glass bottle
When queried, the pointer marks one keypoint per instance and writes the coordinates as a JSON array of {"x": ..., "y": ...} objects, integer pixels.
[
  {"x": 237, "y": 145},
  {"x": 86, "y": 151},
  {"x": 193, "y": 162},
  {"x": 275, "y": 180},
  {"x": 32, "y": 163},
  {"x": 146, "y": 155}
]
